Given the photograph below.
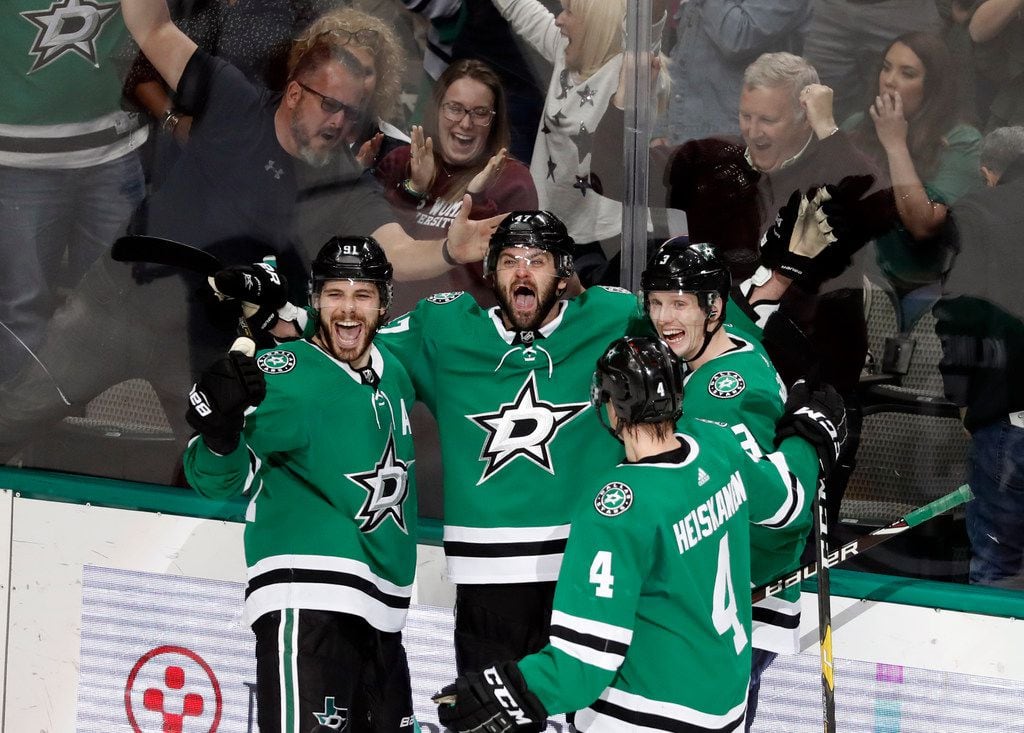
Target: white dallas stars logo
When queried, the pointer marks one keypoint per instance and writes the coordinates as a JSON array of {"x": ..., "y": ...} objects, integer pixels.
[
  {"x": 68, "y": 25},
  {"x": 524, "y": 427},
  {"x": 387, "y": 486}
]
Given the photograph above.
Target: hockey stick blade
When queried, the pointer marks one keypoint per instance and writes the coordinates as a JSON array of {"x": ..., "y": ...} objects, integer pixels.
[
  {"x": 160, "y": 251},
  {"x": 860, "y": 545}
]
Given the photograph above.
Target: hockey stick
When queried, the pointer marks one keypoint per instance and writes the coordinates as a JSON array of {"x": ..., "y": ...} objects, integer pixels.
[
  {"x": 855, "y": 547},
  {"x": 828, "y": 683},
  {"x": 160, "y": 251}
]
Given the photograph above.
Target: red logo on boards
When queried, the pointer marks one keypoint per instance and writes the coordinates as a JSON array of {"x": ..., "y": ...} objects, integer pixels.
[{"x": 172, "y": 689}]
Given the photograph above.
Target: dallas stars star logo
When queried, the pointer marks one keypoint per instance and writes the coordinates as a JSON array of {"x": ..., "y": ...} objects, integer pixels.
[
  {"x": 524, "y": 427},
  {"x": 386, "y": 486},
  {"x": 68, "y": 25}
]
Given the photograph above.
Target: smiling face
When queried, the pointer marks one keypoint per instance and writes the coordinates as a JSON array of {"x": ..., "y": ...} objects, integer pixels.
[
  {"x": 679, "y": 321},
  {"x": 571, "y": 26},
  {"x": 903, "y": 72},
  {"x": 527, "y": 287},
  {"x": 464, "y": 141},
  {"x": 316, "y": 133},
  {"x": 771, "y": 126},
  {"x": 350, "y": 312}
]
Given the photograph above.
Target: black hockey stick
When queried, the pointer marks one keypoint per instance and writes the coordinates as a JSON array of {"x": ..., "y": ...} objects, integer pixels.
[
  {"x": 828, "y": 683},
  {"x": 861, "y": 544},
  {"x": 160, "y": 251}
]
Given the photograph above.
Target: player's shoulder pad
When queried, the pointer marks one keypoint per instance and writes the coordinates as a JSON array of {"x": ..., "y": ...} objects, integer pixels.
[{"x": 614, "y": 498}]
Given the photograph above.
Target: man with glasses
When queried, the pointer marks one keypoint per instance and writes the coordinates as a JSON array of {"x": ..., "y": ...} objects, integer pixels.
[{"x": 261, "y": 176}]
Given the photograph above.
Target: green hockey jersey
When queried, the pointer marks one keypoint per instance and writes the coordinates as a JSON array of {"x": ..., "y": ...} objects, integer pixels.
[
  {"x": 651, "y": 621},
  {"x": 62, "y": 84},
  {"x": 741, "y": 388},
  {"x": 332, "y": 520},
  {"x": 518, "y": 440}
]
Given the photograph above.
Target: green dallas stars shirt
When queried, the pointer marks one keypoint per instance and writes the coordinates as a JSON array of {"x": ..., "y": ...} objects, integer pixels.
[
  {"x": 519, "y": 443},
  {"x": 651, "y": 611},
  {"x": 329, "y": 462}
]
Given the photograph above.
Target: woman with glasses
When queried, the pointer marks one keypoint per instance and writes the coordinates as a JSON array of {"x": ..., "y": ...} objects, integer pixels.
[{"x": 461, "y": 148}]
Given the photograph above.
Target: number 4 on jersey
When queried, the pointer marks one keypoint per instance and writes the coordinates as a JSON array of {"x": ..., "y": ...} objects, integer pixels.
[
  {"x": 601, "y": 574},
  {"x": 723, "y": 610}
]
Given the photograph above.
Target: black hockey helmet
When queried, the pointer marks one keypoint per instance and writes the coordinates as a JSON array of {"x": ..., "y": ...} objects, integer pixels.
[
  {"x": 353, "y": 258},
  {"x": 641, "y": 378},
  {"x": 532, "y": 230},
  {"x": 690, "y": 267}
]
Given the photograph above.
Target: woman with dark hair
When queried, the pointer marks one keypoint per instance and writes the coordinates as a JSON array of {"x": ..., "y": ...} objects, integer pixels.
[
  {"x": 461, "y": 148},
  {"x": 916, "y": 131}
]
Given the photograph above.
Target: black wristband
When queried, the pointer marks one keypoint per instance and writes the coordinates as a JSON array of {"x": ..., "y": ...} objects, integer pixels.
[{"x": 446, "y": 254}]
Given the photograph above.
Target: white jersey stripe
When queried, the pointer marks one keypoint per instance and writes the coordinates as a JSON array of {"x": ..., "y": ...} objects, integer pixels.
[
  {"x": 792, "y": 506},
  {"x": 529, "y": 569},
  {"x": 672, "y": 711},
  {"x": 592, "y": 628},
  {"x": 325, "y": 598},
  {"x": 502, "y": 535}
]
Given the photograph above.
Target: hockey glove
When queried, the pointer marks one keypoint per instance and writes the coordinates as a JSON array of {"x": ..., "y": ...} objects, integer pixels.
[
  {"x": 837, "y": 217},
  {"x": 217, "y": 402},
  {"x": 261, "y": 289},
  {"x": 818, "y": 416},
  {"x": 493, "y": 701},
  {"x": 792, "y": 243}
]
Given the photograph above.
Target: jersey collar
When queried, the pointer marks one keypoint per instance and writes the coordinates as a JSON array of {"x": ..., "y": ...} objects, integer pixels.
[
  {"x": 511, "y": 337},
  {"x": 376, "y": 364}
]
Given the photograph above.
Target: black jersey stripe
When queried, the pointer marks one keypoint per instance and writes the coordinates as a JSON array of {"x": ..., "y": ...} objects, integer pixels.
[
  {"x": 775, "y": 618},
  {"x": 324, "y": 577},
  {"x": 504, "y": 549},
  {"x": 597, "y": 643},
  {"x": 659, "y": 722}
]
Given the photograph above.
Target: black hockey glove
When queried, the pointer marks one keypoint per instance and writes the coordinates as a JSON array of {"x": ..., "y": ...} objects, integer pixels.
[
  {"x": 839, "y": 219},
  {"x": 217, "y": 402},
  {"x": 783, "y": 246},
  {"x": 493, "y": 701},
  {"x": 818, "y": 416},
  {"x": 261, "y": 289}
]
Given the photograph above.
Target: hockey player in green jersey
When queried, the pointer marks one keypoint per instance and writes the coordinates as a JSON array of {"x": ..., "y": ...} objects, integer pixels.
[
  {"x": 731, "y": 380},
  {"x": 508, "y": 386},
  {"x": 651, "y": 623},
  {"x": 330, "y": 536}
]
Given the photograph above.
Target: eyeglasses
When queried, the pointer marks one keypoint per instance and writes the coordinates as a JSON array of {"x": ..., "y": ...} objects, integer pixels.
[
  {"x": 333, "y": 106},
  {"x": 363, "y": 37},
  {"x": 455, "y": 112}
]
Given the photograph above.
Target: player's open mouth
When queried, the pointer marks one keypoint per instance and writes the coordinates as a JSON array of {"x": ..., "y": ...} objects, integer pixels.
[
  {"x": 523, "y": 298},
  {"x": 673, "y": 337},
  {"x": 348, "y": 333}
]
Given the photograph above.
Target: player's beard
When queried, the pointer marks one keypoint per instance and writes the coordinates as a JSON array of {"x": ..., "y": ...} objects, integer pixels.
[
  {"x": 304, "y": 139},
  {"x": 331, "y": 337},
  {"x": 545, "y": 296}
]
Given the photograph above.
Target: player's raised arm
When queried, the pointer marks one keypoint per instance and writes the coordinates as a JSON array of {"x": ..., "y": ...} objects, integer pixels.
[{"x": 166, "y": 47}]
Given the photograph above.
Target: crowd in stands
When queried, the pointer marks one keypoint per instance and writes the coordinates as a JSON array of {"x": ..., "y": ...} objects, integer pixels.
[{"x": 450, "y": 113}]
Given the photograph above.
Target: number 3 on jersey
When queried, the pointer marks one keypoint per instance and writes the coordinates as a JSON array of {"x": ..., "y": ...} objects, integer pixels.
[{"x": 601, "y": 574}]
